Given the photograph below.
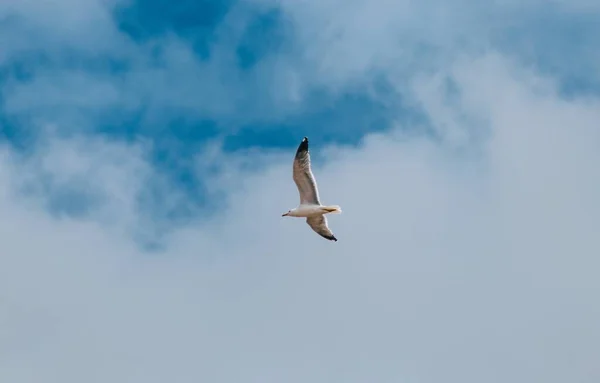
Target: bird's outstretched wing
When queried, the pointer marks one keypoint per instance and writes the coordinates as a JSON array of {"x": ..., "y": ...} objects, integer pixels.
[
  {"x": 319, "y": 225},
  {"x": 303, "y": 177}
]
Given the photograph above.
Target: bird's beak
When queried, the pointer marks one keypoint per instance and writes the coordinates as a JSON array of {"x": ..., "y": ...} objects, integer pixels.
[{"x": 284, "y": 214}]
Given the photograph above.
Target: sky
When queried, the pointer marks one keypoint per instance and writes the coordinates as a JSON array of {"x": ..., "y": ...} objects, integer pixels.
[{"x": 145, "y": 160}]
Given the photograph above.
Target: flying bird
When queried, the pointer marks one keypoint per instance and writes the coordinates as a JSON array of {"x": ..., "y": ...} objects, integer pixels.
[{"x": 310, "y": 207}]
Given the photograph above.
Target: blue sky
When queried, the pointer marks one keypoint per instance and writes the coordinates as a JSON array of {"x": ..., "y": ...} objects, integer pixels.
[
  {"x": 145, "y": 160},
  {"x": 187, "y": 54},
  {"x": 248, "y": 74}
]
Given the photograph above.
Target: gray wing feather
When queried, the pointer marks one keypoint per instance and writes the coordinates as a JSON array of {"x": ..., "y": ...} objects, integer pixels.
[
  {"x": 303, "y": 177},
  {"x": 319, "y": 225}
]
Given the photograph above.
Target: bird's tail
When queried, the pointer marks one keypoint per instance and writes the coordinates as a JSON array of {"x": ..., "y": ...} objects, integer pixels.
[{"x": 335, "y": 209}]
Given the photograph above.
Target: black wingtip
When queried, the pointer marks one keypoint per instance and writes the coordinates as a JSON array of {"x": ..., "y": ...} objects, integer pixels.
[{"x": 303, "y": 146}]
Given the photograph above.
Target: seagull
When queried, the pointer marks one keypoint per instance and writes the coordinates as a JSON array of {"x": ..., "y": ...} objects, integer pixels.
[{"x": 310, "y": 207}]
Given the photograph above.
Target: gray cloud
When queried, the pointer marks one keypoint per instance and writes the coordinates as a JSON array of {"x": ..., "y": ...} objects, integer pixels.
[{"x": 456, "y": 263}]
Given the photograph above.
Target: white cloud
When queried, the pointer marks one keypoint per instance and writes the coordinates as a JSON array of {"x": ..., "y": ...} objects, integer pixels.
[
  {"x": 454, "y": 263},
  {"x": 342, "y": 44},
  {"x": 52, "y": 28}
]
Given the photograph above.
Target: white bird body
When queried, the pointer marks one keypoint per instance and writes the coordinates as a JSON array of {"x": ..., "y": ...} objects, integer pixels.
[
  {"x": 310, "y": 207},
  {"x": 306, "y": 210}
]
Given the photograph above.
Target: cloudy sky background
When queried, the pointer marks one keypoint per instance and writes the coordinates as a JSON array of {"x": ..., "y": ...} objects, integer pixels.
[{"x": 145, "y": 162}]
